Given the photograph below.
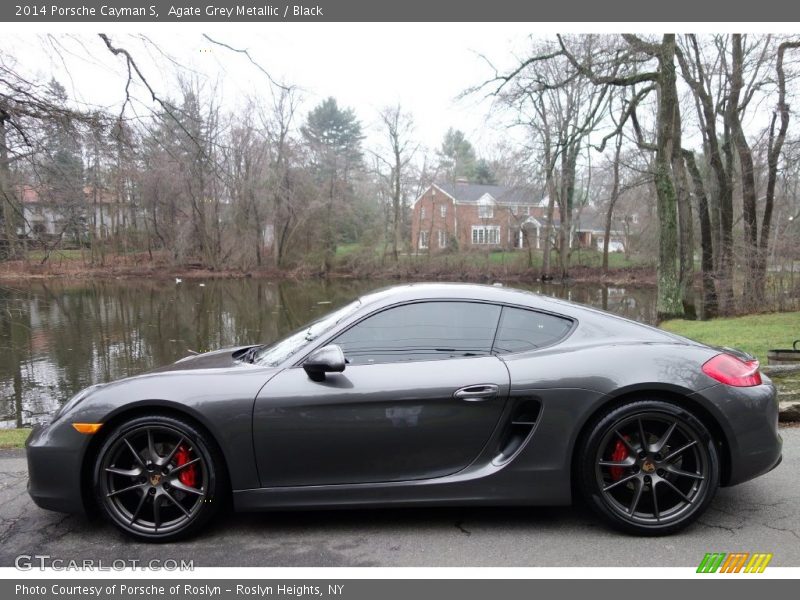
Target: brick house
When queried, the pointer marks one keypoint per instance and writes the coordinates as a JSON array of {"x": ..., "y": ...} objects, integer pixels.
[{"x": 475, "y": 216}]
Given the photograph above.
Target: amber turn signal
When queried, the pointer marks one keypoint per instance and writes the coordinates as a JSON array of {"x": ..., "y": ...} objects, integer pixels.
[{"x": 87, "y": 428}]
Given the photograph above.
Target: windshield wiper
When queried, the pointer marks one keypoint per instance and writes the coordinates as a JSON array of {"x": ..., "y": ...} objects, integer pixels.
[{"x": 250, "y": 354}]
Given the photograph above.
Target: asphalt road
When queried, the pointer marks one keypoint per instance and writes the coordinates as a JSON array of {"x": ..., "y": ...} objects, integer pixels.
[{"x": 759, "y": 516}]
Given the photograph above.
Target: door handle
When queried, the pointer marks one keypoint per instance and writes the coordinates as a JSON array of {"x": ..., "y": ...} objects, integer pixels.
[{"x": 474, "y": 393}]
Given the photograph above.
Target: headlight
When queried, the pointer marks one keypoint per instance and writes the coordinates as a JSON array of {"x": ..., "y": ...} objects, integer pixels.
[{"x": 74, "y": 401}]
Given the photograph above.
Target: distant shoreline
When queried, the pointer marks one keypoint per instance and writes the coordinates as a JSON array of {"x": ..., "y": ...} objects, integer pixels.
[{"x": 18, "y": 271}]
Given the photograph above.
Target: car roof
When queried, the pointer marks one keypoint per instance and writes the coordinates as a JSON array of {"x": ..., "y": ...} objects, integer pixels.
[
  {"x": 467, "y": 291},
  {"x": 439, "y": 290}
]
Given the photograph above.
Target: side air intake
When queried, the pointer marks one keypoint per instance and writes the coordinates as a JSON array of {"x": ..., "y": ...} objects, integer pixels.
[{"x": 518, "y": 429}]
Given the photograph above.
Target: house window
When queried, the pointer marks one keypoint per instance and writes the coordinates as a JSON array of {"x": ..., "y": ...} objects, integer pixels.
[
  {"x": 443, "y": 210},
  {"x": 442, "y": 239},
  {"x": 423, "y": 240},
  {"x": 485, "y": 211},
  {"x": 422, "y": 213},
  {"x": 488, "y": 234},
  {"x": 526, "y": 210},
  {"x": 514, "y": 210}
]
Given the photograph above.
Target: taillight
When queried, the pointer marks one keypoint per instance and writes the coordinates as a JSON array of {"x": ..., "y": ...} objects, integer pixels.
[{"x": 730, "y": 370}]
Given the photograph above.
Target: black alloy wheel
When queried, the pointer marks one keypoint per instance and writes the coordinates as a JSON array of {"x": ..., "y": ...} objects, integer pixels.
[
  {"x": 157, "y": 478},
  {"x": 649, "y": 468}
]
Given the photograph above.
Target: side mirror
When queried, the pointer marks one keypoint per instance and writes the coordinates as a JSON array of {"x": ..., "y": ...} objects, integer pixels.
[{"x": 328, "y": 359}]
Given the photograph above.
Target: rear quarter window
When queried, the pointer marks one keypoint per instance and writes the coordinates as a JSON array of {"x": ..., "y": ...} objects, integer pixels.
[{"x": 521, "y": 330}]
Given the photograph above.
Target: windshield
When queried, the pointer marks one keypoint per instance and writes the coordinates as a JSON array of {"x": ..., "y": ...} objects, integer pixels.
[{"x": 278, "y": 352}]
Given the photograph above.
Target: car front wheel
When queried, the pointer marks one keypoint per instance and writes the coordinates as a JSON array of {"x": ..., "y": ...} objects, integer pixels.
[
  {"x": 649, "y": 467},
  {"x": 158, "y": 478}
]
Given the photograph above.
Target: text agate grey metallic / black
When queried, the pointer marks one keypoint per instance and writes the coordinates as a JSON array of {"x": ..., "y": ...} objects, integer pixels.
[{"x": 532, "y": 399}]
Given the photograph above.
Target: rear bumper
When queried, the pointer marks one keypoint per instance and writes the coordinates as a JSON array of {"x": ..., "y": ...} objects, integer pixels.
[
  {"x": 54, "y": 454},
  {"x": 749, "y": 418}
]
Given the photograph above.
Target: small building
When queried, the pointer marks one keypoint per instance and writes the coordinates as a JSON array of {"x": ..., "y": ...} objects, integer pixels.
[
  {"x": 472, "y": 215},
  {"x": 589, "y": 230},
  {"x": 46, "y": 217}
]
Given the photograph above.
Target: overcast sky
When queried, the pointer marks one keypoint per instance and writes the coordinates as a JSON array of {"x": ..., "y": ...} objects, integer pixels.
[
  {"x": 365, "y": 66},
  {"x": 425, "y": 67}
]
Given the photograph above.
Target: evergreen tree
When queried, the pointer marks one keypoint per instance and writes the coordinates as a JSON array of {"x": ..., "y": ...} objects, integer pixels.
[
  {"x": 457, "y": 156},
  {"x": 62, "y": 174},
  {"x": 334, "y": 138}
]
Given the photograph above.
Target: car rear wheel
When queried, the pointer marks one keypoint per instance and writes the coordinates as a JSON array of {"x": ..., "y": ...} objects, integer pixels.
[
  {"x": 648, "y": 467},
  {"x": 158, "y": 478}
]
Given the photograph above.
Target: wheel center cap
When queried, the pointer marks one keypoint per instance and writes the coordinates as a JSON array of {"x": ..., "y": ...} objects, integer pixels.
[
  {"x": 648, "y": 467},
  {"x": 155, "y": 479}
]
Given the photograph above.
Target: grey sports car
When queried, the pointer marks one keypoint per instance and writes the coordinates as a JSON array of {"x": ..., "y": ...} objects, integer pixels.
[{"x": 419, "y": 395}]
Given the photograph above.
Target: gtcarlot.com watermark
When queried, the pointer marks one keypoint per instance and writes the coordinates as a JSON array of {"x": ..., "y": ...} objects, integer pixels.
[{"x": 30, "y": 562}]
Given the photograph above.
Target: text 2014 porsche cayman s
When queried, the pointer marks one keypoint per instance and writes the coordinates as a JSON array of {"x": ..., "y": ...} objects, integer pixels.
[{"x": 422, "y": 394}]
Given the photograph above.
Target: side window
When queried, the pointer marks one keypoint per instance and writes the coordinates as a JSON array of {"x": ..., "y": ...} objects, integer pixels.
[
  {"x": 422, "y": 331},
  {"x": 522, "y": 330}
]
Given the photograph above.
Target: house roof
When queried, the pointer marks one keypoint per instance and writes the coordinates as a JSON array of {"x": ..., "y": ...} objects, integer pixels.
[
  {"x": 29, "y": 194},
  {"x": 594, "y": 220},
  {"x": 471, "y": 193},
  {"x": 588, "y": 220}
]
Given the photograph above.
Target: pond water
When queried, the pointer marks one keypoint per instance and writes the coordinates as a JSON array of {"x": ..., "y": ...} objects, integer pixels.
[{"x": 58, "y": 337}]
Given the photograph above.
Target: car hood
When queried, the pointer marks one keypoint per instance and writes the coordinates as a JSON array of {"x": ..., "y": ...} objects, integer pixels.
[{"x": 218, "y": 359}]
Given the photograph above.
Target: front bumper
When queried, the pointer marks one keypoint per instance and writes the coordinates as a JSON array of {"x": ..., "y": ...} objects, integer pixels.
[
  {"x": 749, "y": 418},
  {"x": 55, "y": 456}
]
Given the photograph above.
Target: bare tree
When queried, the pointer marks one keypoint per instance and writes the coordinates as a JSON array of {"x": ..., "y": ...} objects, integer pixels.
[
  {"x": 398, "y": 128},
  {"x": 699, "y": 75},
  {"x": 776, "y": 141},
  {"x": 286, "y": 214},
  {"x": 31, "y": 114},
  {"x": 670, "y": 302},
  {"x": 561, "y": 106}
]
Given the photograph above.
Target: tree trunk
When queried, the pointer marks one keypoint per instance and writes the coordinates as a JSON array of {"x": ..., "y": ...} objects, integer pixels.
[
  {"x": 685, "y": 223},
  {"x": 752, "y": 299},
  {"x": 330, "y": 244},
  {"x": 669, "y": 302},
  {"x": 5, "y": 187},
  {"x": 548, "y": 228},
  {"x": 569, "y": 160},
  {"x": 725, "y": 276},
  {"x": 396, "y": 203},
  {"x": 709, "y": 297},
  {"x": 611, "y": 203}
]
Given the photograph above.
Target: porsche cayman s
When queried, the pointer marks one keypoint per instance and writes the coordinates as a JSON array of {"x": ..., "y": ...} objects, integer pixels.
[{"x": 419, "y": 395}]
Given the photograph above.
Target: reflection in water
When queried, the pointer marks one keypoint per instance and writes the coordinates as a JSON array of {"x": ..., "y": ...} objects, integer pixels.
[{"x": 56, "y": 338}]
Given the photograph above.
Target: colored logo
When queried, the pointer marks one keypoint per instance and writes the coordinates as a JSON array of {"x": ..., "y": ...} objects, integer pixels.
[{"x": 735, "y": 562}]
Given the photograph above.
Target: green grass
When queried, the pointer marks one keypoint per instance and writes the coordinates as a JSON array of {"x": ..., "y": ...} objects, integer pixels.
[
  {"x": 756, "y": 334},
  {"x": 13, "y": 438},
  {"x": 345, "y": 249},
  {"x": 519, "y": 258}
]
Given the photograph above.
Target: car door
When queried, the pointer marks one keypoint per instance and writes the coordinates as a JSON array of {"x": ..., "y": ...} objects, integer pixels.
[{"x": 419, "y": 398}]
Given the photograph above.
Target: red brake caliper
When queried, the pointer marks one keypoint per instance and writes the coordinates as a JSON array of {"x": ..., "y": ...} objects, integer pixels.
[
  {"x": 619, "y": 454},
  {"x": 187, "y": 476}
]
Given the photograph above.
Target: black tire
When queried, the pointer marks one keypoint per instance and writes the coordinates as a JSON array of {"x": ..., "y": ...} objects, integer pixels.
[
  {"x": 656, "y": 490},
  {"x": 159, "y": 478}
]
